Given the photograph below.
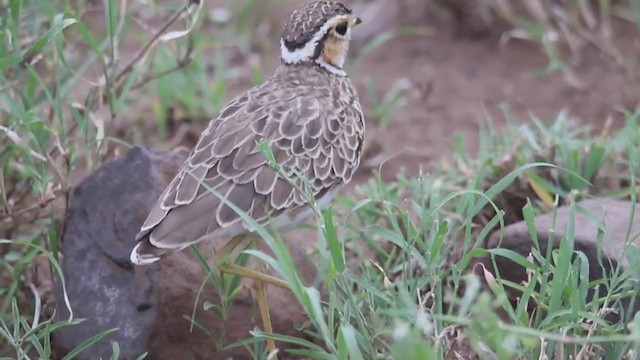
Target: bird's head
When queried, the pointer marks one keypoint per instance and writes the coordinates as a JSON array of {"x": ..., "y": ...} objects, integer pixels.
[{"x": 318, "y": 33}]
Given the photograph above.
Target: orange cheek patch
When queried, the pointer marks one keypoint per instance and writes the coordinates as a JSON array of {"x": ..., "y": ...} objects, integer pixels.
[{"x": 333, "y": 51}]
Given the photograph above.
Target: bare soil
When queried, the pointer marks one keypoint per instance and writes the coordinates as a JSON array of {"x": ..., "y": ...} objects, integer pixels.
[{"x": 467, "y": 76}]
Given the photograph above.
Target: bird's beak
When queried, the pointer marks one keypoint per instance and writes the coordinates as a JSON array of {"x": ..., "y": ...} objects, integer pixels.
[{"x": 357, "y": 21}]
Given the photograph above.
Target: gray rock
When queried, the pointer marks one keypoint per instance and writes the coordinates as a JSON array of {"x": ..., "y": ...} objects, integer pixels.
[
  {"x": 106, "y": 211},
  {"x": 147, "y": 304},
  {"x": 616, "y": 217}
]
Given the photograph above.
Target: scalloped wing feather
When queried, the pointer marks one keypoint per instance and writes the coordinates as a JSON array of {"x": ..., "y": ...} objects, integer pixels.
[{"x": 307, "y": 134}]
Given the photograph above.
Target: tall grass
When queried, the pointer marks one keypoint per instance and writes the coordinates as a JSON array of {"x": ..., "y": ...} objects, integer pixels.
[
  {"x": 393, "y": 288},
  {"x": 64, "y": 84}
]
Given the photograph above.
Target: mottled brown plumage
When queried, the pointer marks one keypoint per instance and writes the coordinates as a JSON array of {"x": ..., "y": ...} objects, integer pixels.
[{"x": 310, "y": 116}]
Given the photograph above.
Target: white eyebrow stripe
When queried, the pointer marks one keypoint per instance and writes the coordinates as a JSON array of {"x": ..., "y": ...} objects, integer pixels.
[{"x": 307, "y": 51}]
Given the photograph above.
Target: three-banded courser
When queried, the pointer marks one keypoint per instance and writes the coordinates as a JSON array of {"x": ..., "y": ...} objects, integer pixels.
[{"x": 308, "y": 113}]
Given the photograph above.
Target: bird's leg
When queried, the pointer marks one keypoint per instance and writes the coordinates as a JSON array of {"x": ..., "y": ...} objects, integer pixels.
[
  {"x": 253, "y": 274},
  {"x": 266, "y": 317},
  {"x": 226, "y": 267},
  {"x": 231, "y": 245},
  {"x": 260, "y": 280}
]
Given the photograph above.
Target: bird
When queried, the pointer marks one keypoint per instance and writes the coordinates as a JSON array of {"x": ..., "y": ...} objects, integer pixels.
[{"x": 308, "y": 114}]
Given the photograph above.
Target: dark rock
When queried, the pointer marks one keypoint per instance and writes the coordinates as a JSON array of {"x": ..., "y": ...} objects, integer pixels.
[
  {"x": 616, "y": 218},
  {"x": 148, "y": 304},
  {"x": 106, "y": 211}
]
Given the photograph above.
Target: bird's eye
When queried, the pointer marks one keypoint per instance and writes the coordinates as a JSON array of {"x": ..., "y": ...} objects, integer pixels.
[{"x": 342, "y": 28}]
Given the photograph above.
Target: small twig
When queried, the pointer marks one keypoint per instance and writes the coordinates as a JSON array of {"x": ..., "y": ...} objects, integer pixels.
[
  {"x": 36, "y": 311},
  {"x": 110, "y": 99},
  {"x": 3, "y": 192},
  {"x": 144, "y": 51},
  {"x": 38, "y": 206},
  {"x": 54, "y": 91},
  {"x": 184, "y": 61},
  {"x": 56, "y": 169},
  {"x": 587, "y": 14},
  {"x": 605, "y": 18}
]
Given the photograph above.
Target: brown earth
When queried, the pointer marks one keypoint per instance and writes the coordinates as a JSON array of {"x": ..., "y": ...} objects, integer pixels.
[{"x": 468, "y": 75}]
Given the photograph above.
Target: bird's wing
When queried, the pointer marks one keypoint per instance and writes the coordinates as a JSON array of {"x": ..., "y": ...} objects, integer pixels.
[{"x": 305, "y": 134}]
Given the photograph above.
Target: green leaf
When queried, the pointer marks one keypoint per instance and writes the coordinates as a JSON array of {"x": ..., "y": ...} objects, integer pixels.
[
  {"x": 347, "y": 343},
  {"x": 594, "y": 161},
  {"x": 89, "y": 343},
  {"x": 60, "y": 22},
  {"x": 515, "y": 257},
  {"x": 208, "y": 305},
  {"x": 280, "y": 338},
  {"x": 335, "y": 245},
  {"x": 12, "y": 59},
  {"x": 16, "y": 7},
  {"x": 529, "y": 218},
  {"x": 562, "y": 264},
  {"x": 111, "y": 14},
  {"x": 412, "y": 348},
  {"x": 318, "y": 316},
  {"x": 501, "y": 185},
  {"x": 115, "y": 351}
]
